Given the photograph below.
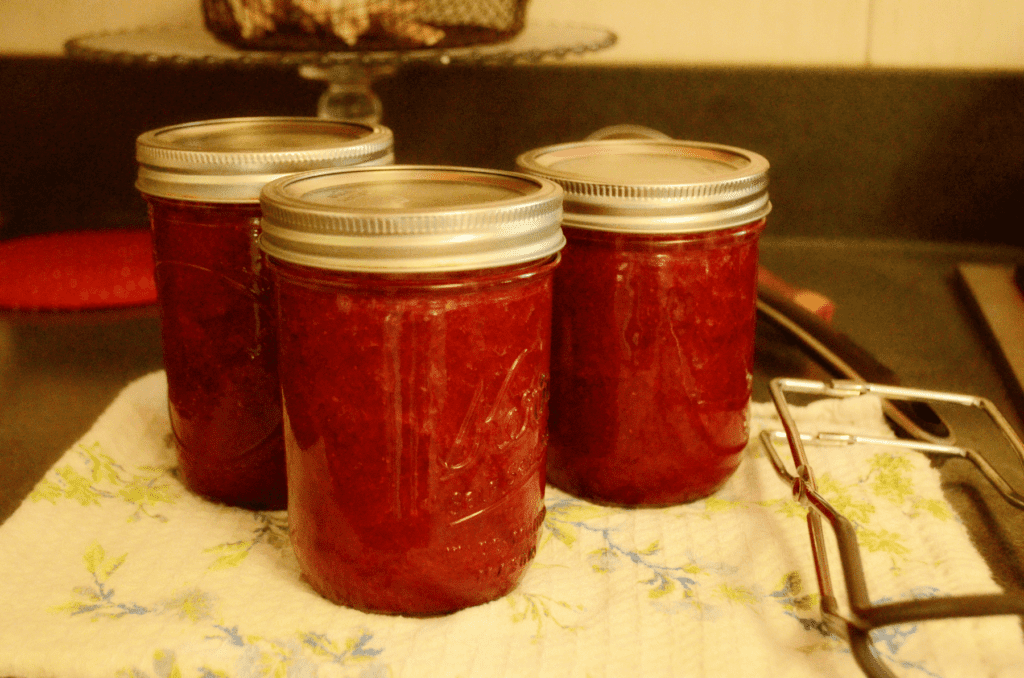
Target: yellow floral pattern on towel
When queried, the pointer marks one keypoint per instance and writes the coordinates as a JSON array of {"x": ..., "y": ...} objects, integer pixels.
[
  {"x": 144, "y": 580},
  {"x": 103, "y": 479},
  {"x": 260, "y": 656}
]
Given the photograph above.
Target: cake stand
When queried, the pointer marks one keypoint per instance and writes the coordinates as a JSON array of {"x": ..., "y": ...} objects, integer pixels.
[{"x": 348, "y": 76}]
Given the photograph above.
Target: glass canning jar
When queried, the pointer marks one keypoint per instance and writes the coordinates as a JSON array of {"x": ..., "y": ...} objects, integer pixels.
[
  {"x": 654, "y": 313},
  {"x": 414, "y": 346},
  {"x": 202, "y": 182}
]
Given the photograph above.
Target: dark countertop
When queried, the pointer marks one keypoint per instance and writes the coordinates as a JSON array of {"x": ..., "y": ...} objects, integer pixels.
[{"x": 901, "y": 300}]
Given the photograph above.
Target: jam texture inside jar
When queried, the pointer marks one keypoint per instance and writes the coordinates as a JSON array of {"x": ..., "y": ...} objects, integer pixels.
[
  {"x": 652, "y": 363},
  {"x": 416, "y": 425},
  {"x": 220, "y": 351},
  {"x": 202, "y": 182},
  {"x": 654, "y": 315},
  {"x": 414, "y": 338}
]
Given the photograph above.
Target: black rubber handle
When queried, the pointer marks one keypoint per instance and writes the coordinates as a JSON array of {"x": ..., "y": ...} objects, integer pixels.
[{"x": 846, "y": 359}]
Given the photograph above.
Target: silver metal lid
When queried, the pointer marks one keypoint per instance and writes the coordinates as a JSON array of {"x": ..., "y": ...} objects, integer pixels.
[
  {"x": 406, "y": 218},
  {"x": 231, "y": 159},
  {"x": 654, "y": 185}
]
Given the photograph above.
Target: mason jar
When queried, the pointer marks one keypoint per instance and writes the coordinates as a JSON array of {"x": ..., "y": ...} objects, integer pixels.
[
  {"x": 202, "y": 182},
  {"x": 654, "y": 314},
  {"x": 414, "y": 321}
]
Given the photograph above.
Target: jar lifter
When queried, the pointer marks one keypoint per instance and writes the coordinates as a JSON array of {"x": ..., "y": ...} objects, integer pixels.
[{"x": 863, "y": 615}]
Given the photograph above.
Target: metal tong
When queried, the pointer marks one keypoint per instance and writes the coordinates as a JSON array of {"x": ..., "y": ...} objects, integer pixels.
[{"x": 864, "y": 616}]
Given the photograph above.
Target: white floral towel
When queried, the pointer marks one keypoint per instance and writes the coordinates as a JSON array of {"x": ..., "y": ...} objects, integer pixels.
[{"x": 110, "y": 568}]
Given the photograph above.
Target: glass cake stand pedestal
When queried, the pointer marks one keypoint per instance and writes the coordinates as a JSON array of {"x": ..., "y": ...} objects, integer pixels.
[{"x": 348, "y": 76}]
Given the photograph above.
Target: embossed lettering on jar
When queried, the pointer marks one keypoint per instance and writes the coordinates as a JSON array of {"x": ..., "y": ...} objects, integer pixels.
[
  {"x": 654, "y": 314},
  {"x": 202, "y": 181},
  {"x": 414, "y": 330}
]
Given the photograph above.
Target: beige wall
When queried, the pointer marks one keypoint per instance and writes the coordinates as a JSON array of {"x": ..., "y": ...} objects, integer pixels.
[{"x": 973, "y": 34}]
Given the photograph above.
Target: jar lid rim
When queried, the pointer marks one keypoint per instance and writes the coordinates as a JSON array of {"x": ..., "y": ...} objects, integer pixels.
[
  {"x": 569, "y": 161},
  {"x": 411, "y": 218},
  {"x": 230, "y": 159},
  {"x": 684, "y": 185}
]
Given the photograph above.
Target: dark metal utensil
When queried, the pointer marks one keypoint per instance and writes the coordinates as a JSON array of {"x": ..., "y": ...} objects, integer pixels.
[{"x": 848, "y": 360}]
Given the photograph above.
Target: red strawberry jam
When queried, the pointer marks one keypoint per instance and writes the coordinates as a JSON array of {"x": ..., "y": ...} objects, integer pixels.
[
  {"x": 414, "y": 326},
  {"x": 416, "y": 425},
  {"x": 654, "y": 310},
  {"x": 653, "y": 349},
  {"x": 202, "y": 181},
  {"x": 220, "y": 351}
]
